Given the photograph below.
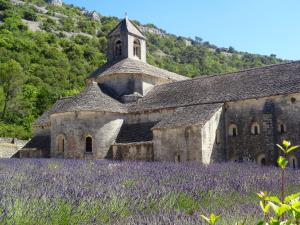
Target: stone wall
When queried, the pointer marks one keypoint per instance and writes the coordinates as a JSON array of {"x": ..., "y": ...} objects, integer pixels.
[
  {"x": 103, "y": 128},
  {"x": 127, "y": 47},
  {"x": 254, "y": 147},
  {"x": 8, "y": 150},
  {"x": 148, "y": 116},
  {"x": 133, "y": 151},
  {"x": 10, "y": 146},
  {"x": 178, "y": 144},
  {"x": 130, "y": 48},
  {"x": 212, "y": 141},
  {"x": 124, "y": 84},
  {"x": 111, "y": 46},
  {"x": 39, "y": 145}
]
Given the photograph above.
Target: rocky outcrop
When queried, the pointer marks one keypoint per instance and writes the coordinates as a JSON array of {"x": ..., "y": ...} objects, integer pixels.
[{"x": 55, "y": 2}]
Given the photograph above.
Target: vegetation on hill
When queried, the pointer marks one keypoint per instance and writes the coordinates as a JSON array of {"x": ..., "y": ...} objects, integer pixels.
[{"x": 47, "y": 51}]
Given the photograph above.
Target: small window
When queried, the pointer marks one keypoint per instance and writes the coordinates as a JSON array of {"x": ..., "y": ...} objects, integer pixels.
[
  {"x": 293, "y": 100},
  {"x": 217, "y": 136},
  {"x": 88, "y": 144},
  {"x": 61, "y": 143},
  {"x": 118, "y": 48},
  {"x": 293, "y": 162},
  {"x": 282, "y": 128},
  {"x": 255, "y": 129},
  {"x": 177, "y": 158},
  {"x": 137, "y": 48},
  {"x": 233, "y": 131},
  {"x": 261, "y": 160}
]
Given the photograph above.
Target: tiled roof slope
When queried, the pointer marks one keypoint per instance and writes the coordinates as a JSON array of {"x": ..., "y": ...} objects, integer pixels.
[
  {"x": 128, "y": 66},
  {"x": 39, "y": 142},
  {"x": 44, "y": 119},
  {"x": 91, "y": 99},
  {"x": 135, "y": 132},
  {"x": 190, "y": 115},
  {"x": 253, "y": 83},
  {"x": 126, "y": 26}
]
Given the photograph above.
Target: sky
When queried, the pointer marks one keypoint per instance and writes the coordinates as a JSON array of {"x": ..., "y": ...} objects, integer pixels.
[{"x": 256, "y": 26}]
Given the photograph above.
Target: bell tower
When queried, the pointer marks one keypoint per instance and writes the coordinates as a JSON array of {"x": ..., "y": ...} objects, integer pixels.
[{"x": 126, "y": 41}]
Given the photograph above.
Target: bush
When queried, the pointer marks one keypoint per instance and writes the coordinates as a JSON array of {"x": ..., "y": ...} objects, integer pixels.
[
  {"x": 5, "y": 5},
  {"x": 14, "y": 131},
  {"x": 30, "y": 15}
]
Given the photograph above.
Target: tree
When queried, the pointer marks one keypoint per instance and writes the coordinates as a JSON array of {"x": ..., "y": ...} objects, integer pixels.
[
  {"x": 231, "y": 50},
  {"x": 11, "y": 78},
  {"x": 30, "y": 15}
]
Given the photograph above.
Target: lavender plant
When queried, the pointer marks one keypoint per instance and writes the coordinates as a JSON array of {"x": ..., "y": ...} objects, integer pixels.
[
  {"x": 285, "y": 211},
  {"x": 52, "y": 191}
]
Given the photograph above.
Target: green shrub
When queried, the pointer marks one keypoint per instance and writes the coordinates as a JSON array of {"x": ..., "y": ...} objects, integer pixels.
[{"x": 284, "y": 210}]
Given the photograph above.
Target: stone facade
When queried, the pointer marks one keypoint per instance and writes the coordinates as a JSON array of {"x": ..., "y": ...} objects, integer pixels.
[
  {"x": 250, "y": 146},
  {"x": 101, "y": 127},
  {"x": 131, "y": 110},
  {"x": 122, "y": 40}
]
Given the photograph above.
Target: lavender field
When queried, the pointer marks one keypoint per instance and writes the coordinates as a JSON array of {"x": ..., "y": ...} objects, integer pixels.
[{"x": 104, "y": 192}]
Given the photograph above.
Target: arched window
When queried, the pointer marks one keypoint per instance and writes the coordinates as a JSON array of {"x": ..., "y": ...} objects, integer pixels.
[
  {"x": 137, "y": 48},
  {"x": 293, "y": 162},
  {"x": 61, "y": 143},
  {"x": 281, "y": 128},
  {"x": 261, "y": 160},
  {"x": 118, "y": 48},
  {"x": 255, "y": 129},
  {"x": 218, "y": 137},
  {"x": 233, "y": 131},
  {"x": 177, "y": 157},
  {"x": 88, "y": 144}
]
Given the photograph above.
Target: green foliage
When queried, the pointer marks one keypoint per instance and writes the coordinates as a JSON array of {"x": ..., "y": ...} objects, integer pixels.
[
  {"x": 30, "y": 15},
  {"x": 4, "y": 4},
  {"x": 284, "y": 211},
  {"x": 55, "y": 62},
  {"x": 212, "y": 219}
]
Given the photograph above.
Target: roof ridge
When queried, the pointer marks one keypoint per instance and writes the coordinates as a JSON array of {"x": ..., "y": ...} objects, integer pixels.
[
  {"x": 126, "y": 18},
  {"x": 127, "y": 24},
  {"x": 231, "y": 73}
]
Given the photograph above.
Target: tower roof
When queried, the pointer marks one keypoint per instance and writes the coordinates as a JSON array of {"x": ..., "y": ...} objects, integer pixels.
[{"x": 126, "y": 26}]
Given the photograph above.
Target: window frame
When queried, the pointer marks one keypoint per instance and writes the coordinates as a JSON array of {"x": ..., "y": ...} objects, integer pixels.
[
  {"x": 233, "y": 130},
  {"x": 137, "y": 49},
  {"x": 118, "y": 48},
  {"x": 255, "y": 128},
  {"x": 89, "y": 145}
]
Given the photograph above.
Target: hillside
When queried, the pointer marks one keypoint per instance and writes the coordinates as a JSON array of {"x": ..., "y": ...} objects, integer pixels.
[{"x": 47, "y": 50}]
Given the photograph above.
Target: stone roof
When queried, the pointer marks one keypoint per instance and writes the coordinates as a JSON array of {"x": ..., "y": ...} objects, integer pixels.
[
  {"x": 139, "y": 132},
  {"x": 44, "y": 119},
  {"x": 90, "y": 99},
  {"x": 190, "y": 115},
  {"x": 265, "y": 81},
  {"x": 39, "y": 142},
  {"x": 132, "y": 66},
  {"x": 126, "y": 26}
]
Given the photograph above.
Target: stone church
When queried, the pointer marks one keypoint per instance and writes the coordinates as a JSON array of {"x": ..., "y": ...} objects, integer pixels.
[{"x": 131, "y": 110}]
